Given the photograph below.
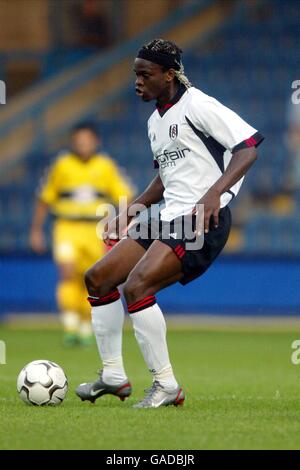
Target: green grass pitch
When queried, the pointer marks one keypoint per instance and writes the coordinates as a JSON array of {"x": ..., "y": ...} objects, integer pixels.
[{"x": 242, "y": 393}]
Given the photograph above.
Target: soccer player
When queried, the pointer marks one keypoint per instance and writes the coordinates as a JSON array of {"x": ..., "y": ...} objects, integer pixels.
[
  {"x": 202, "y": 151},
  {"x": 78, "y": 182}
]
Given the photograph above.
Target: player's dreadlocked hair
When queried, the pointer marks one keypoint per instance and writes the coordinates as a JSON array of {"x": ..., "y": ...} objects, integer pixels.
[{"x": 169, "y": 49}]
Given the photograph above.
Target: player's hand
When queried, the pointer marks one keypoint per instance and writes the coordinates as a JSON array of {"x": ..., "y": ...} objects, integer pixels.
[
  {"x": 115, "y": 229},
  {"x": 211, "y": 202},
  {"x": 109, "y": 234},
  {"x": 37, "y": 241}
]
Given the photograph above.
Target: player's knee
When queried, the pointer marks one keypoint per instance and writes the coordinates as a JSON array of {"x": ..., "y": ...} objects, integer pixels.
[
  {"x": 97, "y": 282},
  {"x": 130, "y": 291},
  {"x": 135, "y": 288},
  {"x": 92, "y": 278}
]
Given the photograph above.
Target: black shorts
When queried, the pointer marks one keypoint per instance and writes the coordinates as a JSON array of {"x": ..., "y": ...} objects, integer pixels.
[{"x": 194, "y": 261}]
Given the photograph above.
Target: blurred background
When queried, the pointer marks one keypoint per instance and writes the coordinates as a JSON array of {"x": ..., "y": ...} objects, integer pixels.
[{"x": 65, "y": 61}]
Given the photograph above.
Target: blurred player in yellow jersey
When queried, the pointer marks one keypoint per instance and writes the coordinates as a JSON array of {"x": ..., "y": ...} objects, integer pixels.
[{"x": 76, "y": 184}]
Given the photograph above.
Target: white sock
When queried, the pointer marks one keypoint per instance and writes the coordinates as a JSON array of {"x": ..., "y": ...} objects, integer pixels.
[
  {"x": 150, "y": 331},
  {"x": 166, "y": 378},
  {"x": 107, "y": 321},
  {"x": 70, "y": 321}
]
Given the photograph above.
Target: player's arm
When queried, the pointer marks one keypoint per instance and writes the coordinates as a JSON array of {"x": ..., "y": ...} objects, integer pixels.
[
  {"x": 46, "y": 196},
  {"x": 120, "y": 185},
  {"x": 152, "y": 195},
  {"x": 234, "y": 134},
  {"x": 37, "y": 240},
  {"x": 238, "y": 166}
]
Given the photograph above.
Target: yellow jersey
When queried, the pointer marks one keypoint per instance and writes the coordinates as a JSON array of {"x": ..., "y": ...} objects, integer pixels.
[{"x": 75, "y": 188}]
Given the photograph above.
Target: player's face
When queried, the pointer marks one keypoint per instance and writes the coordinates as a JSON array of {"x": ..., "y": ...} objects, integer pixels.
[
  {"x": 85, "y": 143},
  {"x": 151, "y": 81}
]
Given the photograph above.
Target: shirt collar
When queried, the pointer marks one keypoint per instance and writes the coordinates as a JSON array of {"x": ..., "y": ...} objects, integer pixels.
[{"x": 162, "y": 110}]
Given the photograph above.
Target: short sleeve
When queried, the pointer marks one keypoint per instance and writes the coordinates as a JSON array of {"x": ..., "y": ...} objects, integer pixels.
[
  {"x": 48, "y": 188},
  {"x": 119, "y": 183},
  {"x": 224, "y": 125}
]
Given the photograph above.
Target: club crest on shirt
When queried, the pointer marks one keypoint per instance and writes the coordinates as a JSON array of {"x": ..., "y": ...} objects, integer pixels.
[{"x": 173, "y": 131}]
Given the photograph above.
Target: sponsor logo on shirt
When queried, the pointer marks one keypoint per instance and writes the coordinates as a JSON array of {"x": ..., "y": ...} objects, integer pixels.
[
  {"x": 84, "y": 194},
  {"x": 168, "y": 159}
]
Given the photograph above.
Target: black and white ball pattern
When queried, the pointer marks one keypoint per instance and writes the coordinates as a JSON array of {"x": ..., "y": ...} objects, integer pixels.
[{"x": 42, "y": 382}]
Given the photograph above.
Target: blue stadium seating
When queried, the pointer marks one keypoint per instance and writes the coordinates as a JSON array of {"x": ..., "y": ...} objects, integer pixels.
[{"x": 249, "y": 65}]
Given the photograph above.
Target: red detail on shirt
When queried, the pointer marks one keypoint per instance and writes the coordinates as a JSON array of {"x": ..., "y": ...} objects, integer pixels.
[
  {"x": 251, "y": 142},
  {"x": 164, "y": 107}
]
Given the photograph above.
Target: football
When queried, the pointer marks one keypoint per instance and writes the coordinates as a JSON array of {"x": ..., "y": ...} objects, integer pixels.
[{"x": 42, "y": 382}]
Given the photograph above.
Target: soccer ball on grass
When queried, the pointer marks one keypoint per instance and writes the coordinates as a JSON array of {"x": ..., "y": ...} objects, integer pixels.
[{"x": 42, "y": 383}]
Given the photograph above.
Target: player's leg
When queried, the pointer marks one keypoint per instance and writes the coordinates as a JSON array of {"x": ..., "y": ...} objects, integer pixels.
[
  {"x": 92, "y": 249},
  {"x": 165, "y": 263},
  {"x": 102, "y": 281},
  {"x": 68, "y": 289},
  {"x": 68, "y": 294},
  {"x": 85, "y": 330},
  {"x": 113, "y": 269},
  {"x": 158, "y": 268}
]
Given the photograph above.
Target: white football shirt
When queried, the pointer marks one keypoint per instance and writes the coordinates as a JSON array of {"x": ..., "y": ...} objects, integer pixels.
[{"x": 192, "y": 141}]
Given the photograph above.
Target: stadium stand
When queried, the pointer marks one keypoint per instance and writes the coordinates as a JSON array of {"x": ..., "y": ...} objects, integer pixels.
[{"x": 249, "y": 63}]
